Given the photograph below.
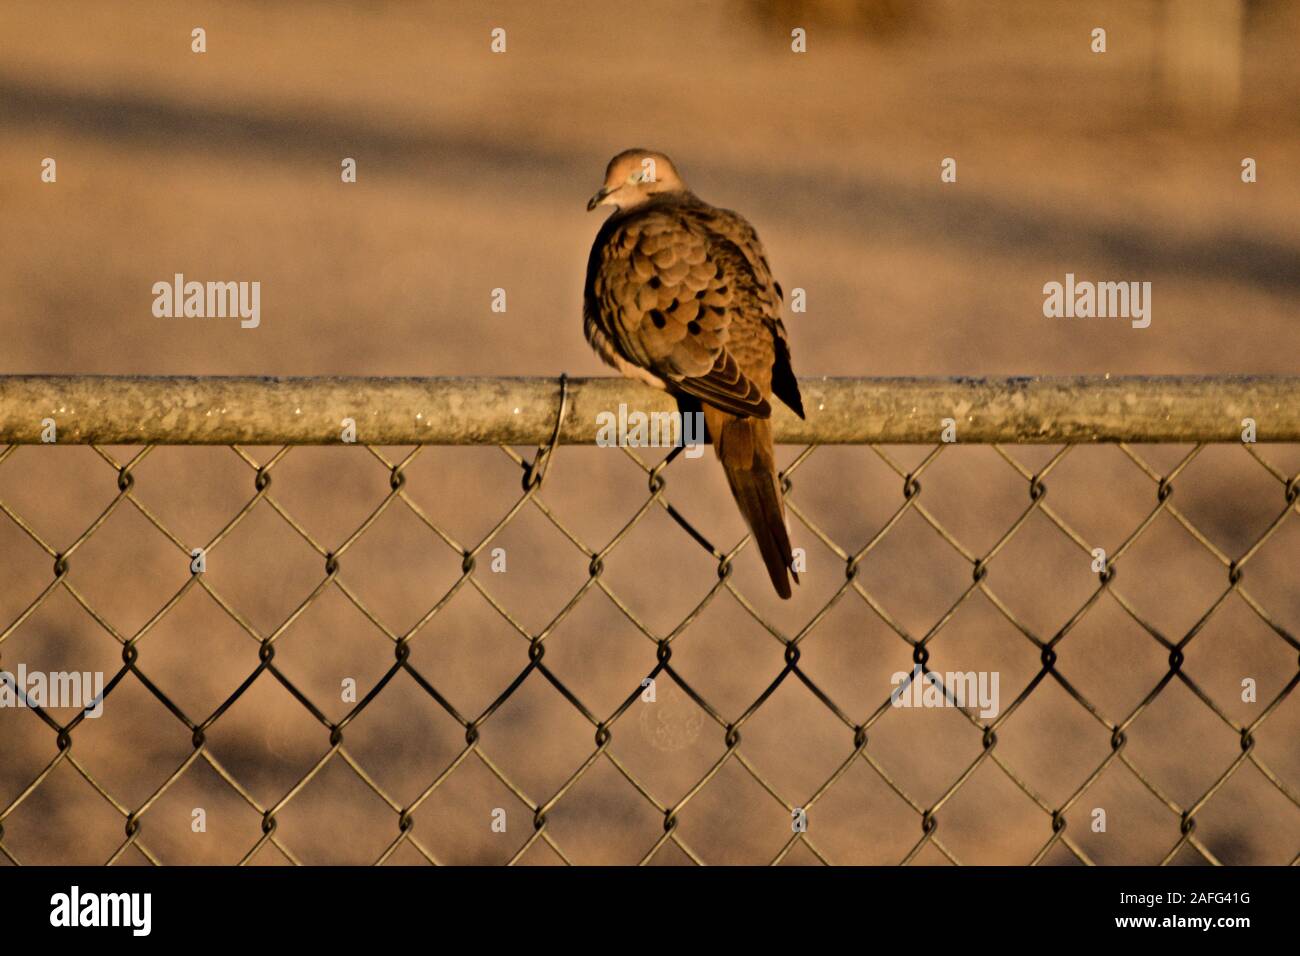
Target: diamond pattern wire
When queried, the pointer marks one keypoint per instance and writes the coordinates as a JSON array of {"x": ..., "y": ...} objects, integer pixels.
[{"x": 856, "y": 729}]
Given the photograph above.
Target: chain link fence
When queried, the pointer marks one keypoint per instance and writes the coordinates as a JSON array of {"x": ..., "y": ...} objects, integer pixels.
[{"x": 645, "y": 742}]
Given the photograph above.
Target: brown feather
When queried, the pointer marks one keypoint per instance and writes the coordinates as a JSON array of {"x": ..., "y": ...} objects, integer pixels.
[{"x": 744, "y": 446}]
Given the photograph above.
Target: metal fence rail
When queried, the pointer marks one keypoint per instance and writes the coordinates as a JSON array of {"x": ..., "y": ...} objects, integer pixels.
[
  {"x": 148, "y": 412},
  {"x": 187, "y": 410}
]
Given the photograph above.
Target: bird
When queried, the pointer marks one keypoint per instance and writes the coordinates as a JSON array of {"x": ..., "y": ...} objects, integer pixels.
[{"x": 679, "y": 294}]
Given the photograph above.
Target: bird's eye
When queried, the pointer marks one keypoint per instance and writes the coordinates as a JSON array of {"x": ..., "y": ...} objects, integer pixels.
[{"x": 634, "y": 178}]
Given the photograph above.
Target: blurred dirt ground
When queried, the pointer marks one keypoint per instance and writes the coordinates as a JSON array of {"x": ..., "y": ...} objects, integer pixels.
[{"x": 473, "y": 174}]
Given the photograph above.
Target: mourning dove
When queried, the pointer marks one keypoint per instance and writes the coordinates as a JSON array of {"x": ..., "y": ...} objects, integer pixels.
[{"x": 679, "y": 294}]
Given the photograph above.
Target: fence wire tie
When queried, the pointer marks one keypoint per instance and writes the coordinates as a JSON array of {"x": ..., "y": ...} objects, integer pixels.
[{"x": 536, "y": 472}]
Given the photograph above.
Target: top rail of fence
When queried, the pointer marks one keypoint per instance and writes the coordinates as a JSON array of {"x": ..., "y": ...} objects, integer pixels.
[{"x": 228, "y": 410}]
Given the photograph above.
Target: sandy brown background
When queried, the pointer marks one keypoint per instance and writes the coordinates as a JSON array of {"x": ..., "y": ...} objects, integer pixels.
[{"x": 473, "y": 174}]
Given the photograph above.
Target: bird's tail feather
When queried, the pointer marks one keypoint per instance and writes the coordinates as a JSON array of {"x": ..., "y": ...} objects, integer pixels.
[{"x": 745, "y": 447}]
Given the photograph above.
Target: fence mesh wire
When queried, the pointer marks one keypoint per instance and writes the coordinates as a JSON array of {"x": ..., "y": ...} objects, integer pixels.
[{"x": 1060, "y": 821}]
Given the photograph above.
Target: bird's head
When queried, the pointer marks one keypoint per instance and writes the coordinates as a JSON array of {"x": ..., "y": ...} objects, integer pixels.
[{"x": 633, "y": 176}]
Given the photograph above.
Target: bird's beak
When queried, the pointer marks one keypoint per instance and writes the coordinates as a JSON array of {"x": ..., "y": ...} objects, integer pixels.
[{"x": 597, "y": 199}]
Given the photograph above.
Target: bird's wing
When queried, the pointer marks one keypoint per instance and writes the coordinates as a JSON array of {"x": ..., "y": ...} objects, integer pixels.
[
  {"x": 737, "y": 229},
  {"x": 677, "y": 298}
]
